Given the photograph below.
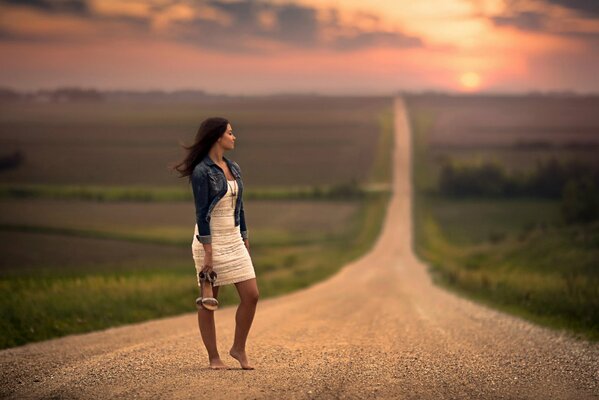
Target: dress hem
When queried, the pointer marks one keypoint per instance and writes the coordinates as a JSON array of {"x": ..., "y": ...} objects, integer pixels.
[{"x": 235, "y": 280}]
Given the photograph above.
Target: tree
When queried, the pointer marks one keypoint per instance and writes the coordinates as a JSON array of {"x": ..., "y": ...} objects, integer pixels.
[{"x": 580, "y": 201}]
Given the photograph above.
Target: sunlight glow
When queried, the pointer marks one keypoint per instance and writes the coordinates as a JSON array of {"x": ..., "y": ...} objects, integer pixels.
[{"x": 470, "y": 80}]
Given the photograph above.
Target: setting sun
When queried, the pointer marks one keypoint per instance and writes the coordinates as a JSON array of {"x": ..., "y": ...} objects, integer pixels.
[{"x": 470, "y": 80}]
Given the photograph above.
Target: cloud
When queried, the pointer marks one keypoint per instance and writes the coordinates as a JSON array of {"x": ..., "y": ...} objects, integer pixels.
[
  {"x": 588, "y": 8},
  {"x": 371, "y": 39},
  {"x": 527, "y": 20},
  {"x": 567, "y": 18},
  {"x": 255, "y": 24},
  {"x": 297, "y": 24},
  {"x": 79, "y": 7},
  {"x": 227, "y": 26}
]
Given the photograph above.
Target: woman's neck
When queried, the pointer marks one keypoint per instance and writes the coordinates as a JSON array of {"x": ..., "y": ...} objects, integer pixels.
[{"x": 216, "y": 154}]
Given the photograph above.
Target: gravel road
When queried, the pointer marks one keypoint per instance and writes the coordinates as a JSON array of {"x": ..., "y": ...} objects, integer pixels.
[{"x": 379, "y": 329}]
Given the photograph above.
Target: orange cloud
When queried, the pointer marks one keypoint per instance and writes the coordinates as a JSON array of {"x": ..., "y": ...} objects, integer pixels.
[
  {"x": 34, "y": 24},
  {"x": 118, "y": 8}
]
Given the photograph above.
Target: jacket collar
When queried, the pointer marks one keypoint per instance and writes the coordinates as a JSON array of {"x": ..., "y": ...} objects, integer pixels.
[{"x": 207, "y": 160}]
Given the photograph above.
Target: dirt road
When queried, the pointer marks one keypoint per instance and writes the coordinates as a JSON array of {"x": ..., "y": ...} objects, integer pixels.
[{"x": 377, "y": 329}]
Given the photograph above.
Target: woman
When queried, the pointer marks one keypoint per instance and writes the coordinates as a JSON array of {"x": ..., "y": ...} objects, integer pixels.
[{"x": 220, "y": 242}]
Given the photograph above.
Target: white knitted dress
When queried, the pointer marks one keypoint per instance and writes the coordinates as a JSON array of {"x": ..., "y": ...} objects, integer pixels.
[{"x": 231, "y": 259}]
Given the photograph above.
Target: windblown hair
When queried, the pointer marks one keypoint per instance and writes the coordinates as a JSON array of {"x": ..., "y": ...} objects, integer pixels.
[{"x": 210, "y": 130}]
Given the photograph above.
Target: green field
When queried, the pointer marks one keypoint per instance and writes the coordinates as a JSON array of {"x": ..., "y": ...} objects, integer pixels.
[
  {"x": 516, "y": 254},
  {"x": 107, "y": 242}
]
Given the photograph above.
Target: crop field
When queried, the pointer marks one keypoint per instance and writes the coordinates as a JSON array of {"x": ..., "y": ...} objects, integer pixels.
[
  {"x": 35, "y": 253},
  {"x": 517, "y": 132},
  {"x": 280, "y": 141},
  {"x": 492, "y": 120},
  {"x": 172, "y": 222},
  {"x": 513, "y": 252},
  {"x": 75, "y": 262}
]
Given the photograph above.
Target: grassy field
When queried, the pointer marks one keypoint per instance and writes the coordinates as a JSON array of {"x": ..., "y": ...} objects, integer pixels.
[
  {"x": 514, "y": 254},
  {"x": 80, "y": 256},
  {"x": 143, "y": 282}
]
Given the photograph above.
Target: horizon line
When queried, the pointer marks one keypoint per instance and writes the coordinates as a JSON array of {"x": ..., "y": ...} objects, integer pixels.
[{"x": 392, "y": 93}]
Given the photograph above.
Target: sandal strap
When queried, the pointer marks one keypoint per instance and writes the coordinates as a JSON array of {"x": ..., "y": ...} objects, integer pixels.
[{"x": 211, "y": 276}]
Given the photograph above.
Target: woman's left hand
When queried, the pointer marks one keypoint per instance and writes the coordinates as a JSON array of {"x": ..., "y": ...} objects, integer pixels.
[{"x": 247, "y": 244}]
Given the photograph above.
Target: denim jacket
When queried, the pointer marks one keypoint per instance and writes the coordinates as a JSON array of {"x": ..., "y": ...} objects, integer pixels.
[{"x": 209, "y": 185}]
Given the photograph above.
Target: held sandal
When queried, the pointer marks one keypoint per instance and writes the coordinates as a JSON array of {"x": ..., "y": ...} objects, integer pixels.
[{"x": 208, "y": 303}]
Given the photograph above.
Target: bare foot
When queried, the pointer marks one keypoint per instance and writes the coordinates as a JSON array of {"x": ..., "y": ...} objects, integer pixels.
[
  {"x": 241, "y": 357},
  {"x": 217, "y": 363}
]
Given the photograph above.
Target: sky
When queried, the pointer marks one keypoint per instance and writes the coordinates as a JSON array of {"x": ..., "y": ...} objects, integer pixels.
[{"x": 301, "y": 46}]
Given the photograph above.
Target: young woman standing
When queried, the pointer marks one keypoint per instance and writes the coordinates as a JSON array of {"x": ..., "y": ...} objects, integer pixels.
[{"x": 220, "y": 245}]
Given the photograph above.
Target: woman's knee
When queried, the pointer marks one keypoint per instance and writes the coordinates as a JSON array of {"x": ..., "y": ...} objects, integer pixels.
[{"x": 251, "y": 297}]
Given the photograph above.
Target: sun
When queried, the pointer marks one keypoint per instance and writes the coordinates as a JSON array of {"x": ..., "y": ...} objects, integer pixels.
[{"x": 470, "y": 80}]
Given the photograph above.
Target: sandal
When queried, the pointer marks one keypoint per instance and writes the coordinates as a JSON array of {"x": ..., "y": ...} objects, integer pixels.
[{"x": 209, "y": 303}]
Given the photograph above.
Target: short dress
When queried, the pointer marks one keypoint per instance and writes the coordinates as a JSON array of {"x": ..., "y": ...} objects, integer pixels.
[{"x": 230, "y": 258}]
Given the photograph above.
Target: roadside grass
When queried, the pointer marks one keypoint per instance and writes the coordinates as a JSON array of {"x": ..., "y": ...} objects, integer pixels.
[
  {"x": 513, "y": 255},
  {"x": 41, "y": 307},
  {"x": 42, "y": 304}
]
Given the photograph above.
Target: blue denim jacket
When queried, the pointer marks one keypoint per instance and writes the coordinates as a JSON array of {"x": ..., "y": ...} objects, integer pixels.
[{"x": 209, "y": 185}]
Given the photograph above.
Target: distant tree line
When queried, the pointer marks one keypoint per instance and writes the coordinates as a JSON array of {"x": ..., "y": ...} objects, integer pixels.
[
  {"x": 62, "y": 95},
  {"x": 527, "y": 145},
  {"x": 12, "y": 160},
  {"x": 575, "y": 183},
  {"x": 77, "y": 94}
]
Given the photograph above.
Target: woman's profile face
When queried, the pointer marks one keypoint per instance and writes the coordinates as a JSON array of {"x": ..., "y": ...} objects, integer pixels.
[{"x": 227, "y": 140}]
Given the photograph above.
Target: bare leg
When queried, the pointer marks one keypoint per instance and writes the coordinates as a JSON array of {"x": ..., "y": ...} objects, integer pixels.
[
  {"x": 208, "y": 332},
  {"x": 248, "y": 294}
]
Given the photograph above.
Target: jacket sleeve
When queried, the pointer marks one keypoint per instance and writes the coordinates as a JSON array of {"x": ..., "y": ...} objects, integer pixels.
[
  {"x": 201, "y": 195},
  {"x": 243, "y": 228}
]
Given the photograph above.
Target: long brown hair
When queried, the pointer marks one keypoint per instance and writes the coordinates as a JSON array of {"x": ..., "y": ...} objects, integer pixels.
[{"x": 210, "y": 130}]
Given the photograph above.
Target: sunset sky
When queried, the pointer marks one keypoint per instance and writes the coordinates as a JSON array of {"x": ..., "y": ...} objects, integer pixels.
[{"x": 325, "y": 46}]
